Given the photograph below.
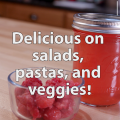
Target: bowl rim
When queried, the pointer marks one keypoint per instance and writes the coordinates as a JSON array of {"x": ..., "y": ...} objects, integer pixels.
[{"x": 20, "y": 86}]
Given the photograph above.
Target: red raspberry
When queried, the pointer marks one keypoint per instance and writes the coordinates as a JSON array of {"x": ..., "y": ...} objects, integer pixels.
[
  {"x": 67, "y": 112},
  {"x": 26, "y": 98},
  {"x": 63, "y": 84},
  {"x": 32, "y": 82},
  {"x": 43, "y": 102},
  {"x": 35, "y": 113},
  {"x": 23, "y": 110},
  {"x": 52, "y": 114},
  {"x": 61, "y": 103},
  {"x": 19, "y": 91},
  {"x": 71, "y": 83},
  {"x": 28, "y": 101},
  {"x": 56, "y": 82}
]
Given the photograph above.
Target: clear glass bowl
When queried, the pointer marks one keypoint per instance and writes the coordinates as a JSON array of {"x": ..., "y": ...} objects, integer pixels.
[{"x": 15, "y": 89}]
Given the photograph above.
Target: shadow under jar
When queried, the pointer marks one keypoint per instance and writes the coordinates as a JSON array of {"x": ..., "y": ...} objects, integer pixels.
[{"x": 106, "y": 89}]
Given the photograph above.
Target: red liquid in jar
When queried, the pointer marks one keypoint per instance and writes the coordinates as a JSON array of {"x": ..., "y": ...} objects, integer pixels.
[{"x": 106, "y": 89}]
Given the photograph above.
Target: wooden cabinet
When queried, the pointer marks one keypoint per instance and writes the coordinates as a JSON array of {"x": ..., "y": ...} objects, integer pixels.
[
  {"x": 69, "y": 19},
  {"x": 2, "y": 7},
  {"x": 37, "y": 14}
]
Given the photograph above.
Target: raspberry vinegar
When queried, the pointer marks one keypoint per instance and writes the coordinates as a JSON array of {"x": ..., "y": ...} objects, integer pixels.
[{"x": 106, "y": 89}]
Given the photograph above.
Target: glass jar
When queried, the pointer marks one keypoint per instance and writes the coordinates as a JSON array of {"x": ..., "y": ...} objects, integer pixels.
[{"x": 106, "y": 89}]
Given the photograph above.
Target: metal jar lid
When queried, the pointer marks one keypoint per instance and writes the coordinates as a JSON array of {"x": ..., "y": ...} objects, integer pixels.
[{"x": 97, "y": 22}]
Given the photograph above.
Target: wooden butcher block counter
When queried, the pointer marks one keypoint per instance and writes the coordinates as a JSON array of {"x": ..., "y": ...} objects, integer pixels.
[{"x": 20, "y": 56}]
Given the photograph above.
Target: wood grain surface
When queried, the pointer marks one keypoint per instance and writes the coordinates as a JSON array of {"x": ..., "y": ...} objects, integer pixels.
[{"x": 20, "y": 56}]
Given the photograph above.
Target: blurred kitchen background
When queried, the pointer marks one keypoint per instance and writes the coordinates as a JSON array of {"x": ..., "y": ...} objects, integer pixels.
[{"x": 58, "y": 13}]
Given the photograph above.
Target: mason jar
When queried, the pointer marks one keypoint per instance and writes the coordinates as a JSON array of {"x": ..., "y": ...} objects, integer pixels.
[{"x": 105, "y": 90}]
